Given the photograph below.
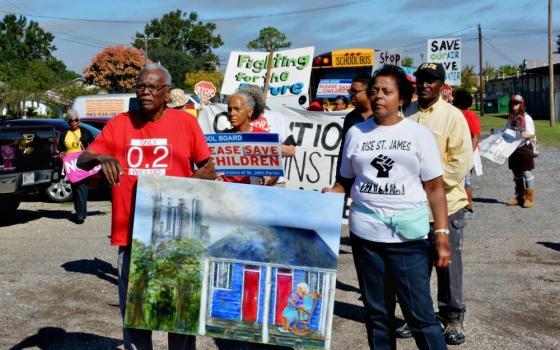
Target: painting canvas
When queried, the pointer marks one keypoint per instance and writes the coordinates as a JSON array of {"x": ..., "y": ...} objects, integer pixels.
[{"x": 234, "y": 261}]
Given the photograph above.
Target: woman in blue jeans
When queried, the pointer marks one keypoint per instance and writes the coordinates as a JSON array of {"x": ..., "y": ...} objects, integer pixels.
[{"x": 391, "y": 168}]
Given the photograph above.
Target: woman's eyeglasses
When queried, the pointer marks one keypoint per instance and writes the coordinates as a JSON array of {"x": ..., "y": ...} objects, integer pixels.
[{"x": 73, "y": 121}]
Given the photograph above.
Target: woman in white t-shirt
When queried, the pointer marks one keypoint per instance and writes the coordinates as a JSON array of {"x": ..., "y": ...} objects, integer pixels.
[
  {"x": 391, "y": 167},
  {"x": 521, "y": 162}
]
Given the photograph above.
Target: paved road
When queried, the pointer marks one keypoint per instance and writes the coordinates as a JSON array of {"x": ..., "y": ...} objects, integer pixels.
[{"x": 58, "y": 280}]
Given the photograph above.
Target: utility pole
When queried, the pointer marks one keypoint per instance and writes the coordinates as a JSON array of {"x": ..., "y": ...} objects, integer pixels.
[
  {"x": 146, "y": 39},
  {"x": 481, "y": 77},
  {"x": 551, "y": 68}
]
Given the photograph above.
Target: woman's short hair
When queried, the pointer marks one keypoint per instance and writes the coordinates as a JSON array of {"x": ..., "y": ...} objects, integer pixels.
[
  {"x": 254, "y": 98},
  {"x": 403, "y": 85},
  {"x": 72, "y": 113},
  {"x": 462, "y": 99},
  {"x": 157, "y": 66}
]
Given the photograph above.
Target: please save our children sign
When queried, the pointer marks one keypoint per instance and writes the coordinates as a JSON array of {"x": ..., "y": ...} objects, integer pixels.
[
  {"x": 289, "y": 75},
  {"x": 246, "y": 154}
]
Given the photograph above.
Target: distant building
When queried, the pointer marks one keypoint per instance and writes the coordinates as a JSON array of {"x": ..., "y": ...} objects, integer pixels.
[
  {"x": 532, "y": 84},
  {"x": 176, "y": 218}
]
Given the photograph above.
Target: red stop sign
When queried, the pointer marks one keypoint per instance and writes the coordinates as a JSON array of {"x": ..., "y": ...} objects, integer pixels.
[{"x": 205, "y": 90}]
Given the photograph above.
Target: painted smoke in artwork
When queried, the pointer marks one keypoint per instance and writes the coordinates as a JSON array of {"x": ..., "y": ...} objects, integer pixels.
[{"x": 234, "y": 261}]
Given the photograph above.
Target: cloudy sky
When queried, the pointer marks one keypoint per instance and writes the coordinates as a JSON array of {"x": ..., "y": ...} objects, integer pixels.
[{"x": 513, "y": 29}]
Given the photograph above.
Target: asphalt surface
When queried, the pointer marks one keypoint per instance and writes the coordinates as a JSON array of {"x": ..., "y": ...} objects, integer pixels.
[{"x": 58, "y": 280}]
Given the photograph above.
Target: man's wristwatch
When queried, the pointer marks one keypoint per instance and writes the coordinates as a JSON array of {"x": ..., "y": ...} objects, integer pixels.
[{"x": 445, "y": 231}]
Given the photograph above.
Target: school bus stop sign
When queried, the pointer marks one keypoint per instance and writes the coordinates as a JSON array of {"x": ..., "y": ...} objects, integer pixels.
[{"x": 205, "y": 90}]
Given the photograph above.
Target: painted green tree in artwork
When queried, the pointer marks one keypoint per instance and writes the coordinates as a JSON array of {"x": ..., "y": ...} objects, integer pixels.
[
  {"x": 169, "y": 279},
  {"x": 142, "y": 262}
]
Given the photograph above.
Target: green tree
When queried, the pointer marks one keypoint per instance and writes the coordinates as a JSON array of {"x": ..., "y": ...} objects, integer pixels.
[
  {"x": 27, "y": 67},
  {"x": 215, "y": 77},
  {"x": 408, "y": 61},
  {"x": 178, "y": 63},
  {"x": 183, "y": 32},
  {"x": 489, "y": 71},
  {"x": 469, "y": 80},
  {"x": 20, "y": 40},
  {"x": 269, "y": 39},
  {"x": 507, "y": 69},
  {"x": 558, "y": 44}
]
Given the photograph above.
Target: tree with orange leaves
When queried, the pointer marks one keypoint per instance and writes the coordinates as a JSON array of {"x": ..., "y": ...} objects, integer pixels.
[{"x": 115, "y": 68}]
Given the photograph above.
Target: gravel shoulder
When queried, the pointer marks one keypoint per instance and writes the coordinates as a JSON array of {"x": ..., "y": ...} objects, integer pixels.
[{"x": 58, "y": 280}]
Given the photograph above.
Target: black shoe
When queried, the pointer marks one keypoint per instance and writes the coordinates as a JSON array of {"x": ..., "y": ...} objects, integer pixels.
[
  {"x": 403, "y": 331},
  {"x": 452, "y": 324},
  {"x": 79, "y": 220}
]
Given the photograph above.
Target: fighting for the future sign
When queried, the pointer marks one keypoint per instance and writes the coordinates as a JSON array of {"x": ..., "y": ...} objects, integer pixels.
[{"x": 246, "y": 154}]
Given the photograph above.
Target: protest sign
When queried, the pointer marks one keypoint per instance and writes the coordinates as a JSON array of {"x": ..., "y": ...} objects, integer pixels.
[
  {"x": 447, "y": 52},
  {"x": 387, "y": 56},
  {"x": 290, "y": 72},
  {"x": 246, "y": 154},
  {"x": 224, "y": 260},
  {"x": 71, "y": 170},
  {"x": 317, "y": 135},
  {"x": 500, "y": 145},
  {"x": 205, "y": 90},
  {"x": 332, "y": 88}
]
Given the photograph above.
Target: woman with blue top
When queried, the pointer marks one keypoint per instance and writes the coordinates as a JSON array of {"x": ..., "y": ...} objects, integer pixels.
[{"x": 391, "y": 167}]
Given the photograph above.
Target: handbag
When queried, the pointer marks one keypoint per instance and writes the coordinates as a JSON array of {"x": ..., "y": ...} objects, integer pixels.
[{"x": 411, "y": 224}]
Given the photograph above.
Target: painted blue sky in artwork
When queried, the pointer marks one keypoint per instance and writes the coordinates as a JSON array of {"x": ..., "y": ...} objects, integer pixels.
[{"x": 246, "y": 205}]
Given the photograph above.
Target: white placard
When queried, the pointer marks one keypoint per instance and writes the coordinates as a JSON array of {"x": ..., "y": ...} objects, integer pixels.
[
  {"x": 291, "y": 70},
  {"x": 317, "y": 135},
  {"x": 499, "y": 146},
  {"x": 447, "y": 52},
  {"x": 387, "y": 56}
]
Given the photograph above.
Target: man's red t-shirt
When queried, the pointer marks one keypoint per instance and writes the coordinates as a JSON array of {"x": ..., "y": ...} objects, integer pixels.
[
  {"x": 163, "y": 147},
  {"x": 473, "y": 121}
]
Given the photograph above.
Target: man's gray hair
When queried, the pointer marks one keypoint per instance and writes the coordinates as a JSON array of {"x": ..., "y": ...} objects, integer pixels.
[
  {"x": 72, "y": 113},
  {"x": 157, "y": 66}
]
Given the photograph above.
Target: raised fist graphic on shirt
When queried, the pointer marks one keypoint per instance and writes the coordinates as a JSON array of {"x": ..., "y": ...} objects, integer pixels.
[{"x": 383, "y": 164}]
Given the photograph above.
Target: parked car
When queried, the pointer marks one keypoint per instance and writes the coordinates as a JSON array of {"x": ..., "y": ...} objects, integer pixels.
[
  {"x": 27, "y": 163},
  {"x": 59, "y": 189},
  {"x": 96, "y": 122}
]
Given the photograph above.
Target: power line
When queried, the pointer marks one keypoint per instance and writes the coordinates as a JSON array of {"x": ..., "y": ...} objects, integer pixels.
[
  {"x": 217, "y": 19},
  {"x": 498, "y": 51}
]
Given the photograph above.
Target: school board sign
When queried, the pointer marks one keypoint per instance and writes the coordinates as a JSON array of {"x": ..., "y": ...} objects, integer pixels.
[
  {"x": 447, "y": 52},
  {"x": 291, "y": 70},
  {"x": 234, "y": 261},
  {"x": 246, "y": 154},
  {"x": 318, "y": 138},
  {"x": 332, "y": 88}
]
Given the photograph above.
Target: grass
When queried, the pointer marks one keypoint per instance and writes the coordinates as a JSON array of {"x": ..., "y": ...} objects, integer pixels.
[{"x": 546, "y": 135}]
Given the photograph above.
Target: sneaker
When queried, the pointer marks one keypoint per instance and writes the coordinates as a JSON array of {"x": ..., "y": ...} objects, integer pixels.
[
  {"x": 403, "y": 331},
  {"x": 453, "y": 327}
]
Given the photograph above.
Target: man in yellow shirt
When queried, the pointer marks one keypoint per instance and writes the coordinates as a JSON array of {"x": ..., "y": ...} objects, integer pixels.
[{"x": 454, "y": 142}]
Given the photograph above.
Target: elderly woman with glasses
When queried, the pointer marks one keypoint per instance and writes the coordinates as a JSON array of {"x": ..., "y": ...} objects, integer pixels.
[{"x": 76, "y": 139}]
